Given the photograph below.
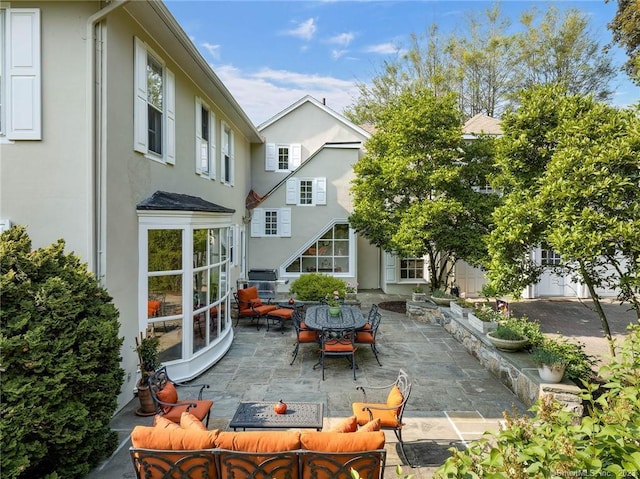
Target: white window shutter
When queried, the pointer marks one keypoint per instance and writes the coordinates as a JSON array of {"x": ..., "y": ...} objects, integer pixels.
[
  {"x": 390, "y": 267},
  {"x": 24, "y": 99},
  {"x": 270, "y": 161},
  {"x": 198, "y": 155},
  {"x": 224, "y": 150},
  {"x": 140, "y": 118},
  {"x": 291, "y": 194},
  {"x": 170, "y": 106},
  {"x": 232, "y": 159},
  {"x": 320, "y": 191},
  {"x": 296, "y": 155},
  {"x": 212, "y": 145},
  {"x": 257, "y": 222},
  {"x": 284, "y": 222}
]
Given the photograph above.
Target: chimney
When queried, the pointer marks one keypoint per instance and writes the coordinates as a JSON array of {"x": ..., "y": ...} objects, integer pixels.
[{"x": 324, "y": 101}]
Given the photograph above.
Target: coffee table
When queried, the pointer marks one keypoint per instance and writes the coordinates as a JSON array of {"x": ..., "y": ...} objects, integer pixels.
[{"x": 260, "y": 415}]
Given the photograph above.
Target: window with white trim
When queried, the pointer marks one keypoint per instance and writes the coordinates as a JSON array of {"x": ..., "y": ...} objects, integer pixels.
[
  {"x": 227, "y": 154},
  {"x": 205, "y": 140},
  {"x": 154, "y": 106},
  {"x": 328, "y": 254},
  {"x": 549, "y": 257},
  {"x": 271, "y": 222},
  {"x": 20, "y": 74},
  {"x": 282, "y": 157},
  {"x": 306, "y": 191},
  {"x": 412, "y": 268}
]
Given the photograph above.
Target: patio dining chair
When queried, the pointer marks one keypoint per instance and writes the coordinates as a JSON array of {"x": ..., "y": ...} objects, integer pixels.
[
  {"x": 165, "y": 398},
  {"x": 337, "y": 343},
  {"x": 251, "y": 306},
  {"x": 368, "y": 333},
  {"x": 304, "y": 335},
  {"x": 390, "y": 411}
]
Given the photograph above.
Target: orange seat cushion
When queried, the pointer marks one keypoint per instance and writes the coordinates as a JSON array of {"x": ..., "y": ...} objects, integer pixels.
[
  {"x": 307, "y": 336},
  {"x": 364, "y": 337},
  {"x": 259, "y": 310},
  {"x": 200, "y": 411},
  {"x": 259, "y": 441},
  {"x": 349, "y": 424},
  {"x": 153, "y": 307},
  {"x": 338, "y": 347},
  {"x": 388, "y": 418},
  {"x": 246, "y": 296},
  {"x": 340, "y": 442},
  {"x": 282, "y": 313},
  {"x": 172, "y": 439},
  {"x": 189, "y": 421}
]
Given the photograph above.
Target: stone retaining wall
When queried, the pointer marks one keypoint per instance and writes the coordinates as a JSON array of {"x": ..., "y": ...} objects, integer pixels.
[{"x": 515, "y": 370}]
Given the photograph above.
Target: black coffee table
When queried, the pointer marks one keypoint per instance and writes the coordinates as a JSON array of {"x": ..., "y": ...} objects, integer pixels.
[{"x": 260, "y": 415}]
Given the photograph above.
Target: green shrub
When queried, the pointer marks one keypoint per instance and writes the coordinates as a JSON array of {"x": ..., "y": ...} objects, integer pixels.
[
  {"x": 317, "y": 286},
  {"x": 555, "y": 442},
  {"x": 559, "y": 350},
  {"x": 523, "y": 327},
  {"x": 60, "y": 356}
]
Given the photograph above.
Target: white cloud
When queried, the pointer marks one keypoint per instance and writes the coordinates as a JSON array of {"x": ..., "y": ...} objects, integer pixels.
[
  {"x": 383, "y": 48},
  {"x": 214, "y": 50},
  {"x": 264, "y": 93},
  {"x": 335, "y": 54},
  {"x": 305, "y": 30},
  {"x": 343, "y": 39}
]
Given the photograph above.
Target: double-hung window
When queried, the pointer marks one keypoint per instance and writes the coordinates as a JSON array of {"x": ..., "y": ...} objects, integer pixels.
[
  {"x": 154, "y": 106},
  {"x": 20, "y": 76},
  {"x": 205, "y": 140},
  {"x": 306, "y": 191},
  {"x": 282, "y": 157},
  {"x": 271, "y": 222}
]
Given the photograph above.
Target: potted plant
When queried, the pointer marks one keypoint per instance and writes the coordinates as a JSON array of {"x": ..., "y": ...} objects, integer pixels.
[
  {"x": 483, "y": 318},
  {"x": 418, "y": 293},
  {"x": 351, "y": 291},
  {"x": 335, "y": 303},
  {"x": 507, "y": 339},
  {"x": 551, "y": 360},
  {"x": 441, "y": 298},
  {"x": 148, "y": 349}
]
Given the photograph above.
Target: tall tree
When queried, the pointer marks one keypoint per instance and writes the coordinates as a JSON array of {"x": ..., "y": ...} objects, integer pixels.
[
  {"x": 570, "y": 169},
  {"x": 626, "y": 33},
  {"x": 560, "y": 48},
  {"x": 413, "y": 192}
]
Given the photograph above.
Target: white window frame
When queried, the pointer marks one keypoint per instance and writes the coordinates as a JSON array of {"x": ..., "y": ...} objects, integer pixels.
[
  {"x": 205, "y": 153},
  {"x": 140, "y": 113},
  {"x": 20, "y": 74},
  {"x": 293, "y": 191},
  {"x": 283, "y": 225},
  {"x": 271, "y": 162},
  {"x": 418, "y": 279},
  {"x": 227, "y": 154}
]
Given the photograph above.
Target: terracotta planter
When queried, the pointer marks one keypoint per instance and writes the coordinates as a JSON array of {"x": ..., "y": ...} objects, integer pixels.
[
  {"x": 483, "y": 326},
  {"x": 507, "y": 345},
  {"x": 551, "y": 374},
  {"x": 147, "y": 407}
]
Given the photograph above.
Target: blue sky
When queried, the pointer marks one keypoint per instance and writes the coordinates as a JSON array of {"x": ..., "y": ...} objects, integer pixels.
[{"x": 270, "y": 54}]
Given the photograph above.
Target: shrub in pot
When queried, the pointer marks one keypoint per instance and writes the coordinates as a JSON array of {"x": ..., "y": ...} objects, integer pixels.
[
  {"x": 148, "y": 356},
  {"x": 507, "y": 339}
]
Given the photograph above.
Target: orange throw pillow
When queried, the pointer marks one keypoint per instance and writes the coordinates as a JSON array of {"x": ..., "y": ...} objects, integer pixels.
[
  {"x": 164, "y": 423},
  {"x": 167, "y": 394},
  {"x": 395, "y": 397},
  {"x": 172, "y": 439},
  {"x": 189, "y": 421},
  {"x": 371, "y": 426},
  {"x": 349, "y": 424}
]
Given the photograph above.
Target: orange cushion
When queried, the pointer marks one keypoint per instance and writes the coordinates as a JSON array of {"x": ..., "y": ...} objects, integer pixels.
[
  {"x": 364, "y": 337},
  {"x": 259, "y": 441},
  {"x": 246, "y": 295},
  {"x": 395, "y": 397},
  {"x": 153, "y": 307},
  {"x": 338, "y": 347},
  {"x": 167, "y": 394},
  {"x": 200, "y": 411},
  {"x": 163, "y": 423},
  {"x": 388, "y": 418},
  {"x": 260, "y": 310},
  {"x": 284, "y": 313},
  {"x": 339, "y": 442},
  {"x": 371, "y": 426},
  {"x": 349, "y": 424},
  {"x": 189, "y": 421},
  {"x": 172, "y": 439}
]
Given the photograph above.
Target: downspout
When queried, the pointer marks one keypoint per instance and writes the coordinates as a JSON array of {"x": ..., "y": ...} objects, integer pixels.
[{"x": 94, "y": 153}]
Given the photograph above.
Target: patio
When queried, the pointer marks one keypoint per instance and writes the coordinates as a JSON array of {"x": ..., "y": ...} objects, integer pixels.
[{"x": 454, "y": 399}]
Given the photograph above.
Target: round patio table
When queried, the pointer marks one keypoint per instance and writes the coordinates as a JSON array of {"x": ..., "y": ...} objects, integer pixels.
[{"x": 318, "y": 317}]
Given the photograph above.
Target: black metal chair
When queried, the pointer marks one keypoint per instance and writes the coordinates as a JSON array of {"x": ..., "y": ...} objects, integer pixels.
[
  {"x": 304, "y": 335},
  {"x": 338, "y": 343},
  {"x": 368, "y": 333}
]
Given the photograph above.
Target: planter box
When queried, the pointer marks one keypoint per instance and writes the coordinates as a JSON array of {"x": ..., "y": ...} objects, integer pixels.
[
  {"x": 418, "y": 297},
  {"x": 458, "y": 310},
  {"x": 483, "y": 326}
]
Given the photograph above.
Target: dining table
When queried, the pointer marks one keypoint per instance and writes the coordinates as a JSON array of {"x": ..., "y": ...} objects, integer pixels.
[{"x": 318, "y": 317}]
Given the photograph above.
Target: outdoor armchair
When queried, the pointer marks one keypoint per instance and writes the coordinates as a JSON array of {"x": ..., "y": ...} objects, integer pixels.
[{"x": 251, "y": 306}]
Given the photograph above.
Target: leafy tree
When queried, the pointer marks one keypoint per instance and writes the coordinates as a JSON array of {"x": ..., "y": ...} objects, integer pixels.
[
  {"x": 569, "y": 170},
  {"x": 60, "y": 356},
  {"x": 561, "y": 49},
  {"x": 626, "y": 32},
  {"x": 413, "y": 191}
]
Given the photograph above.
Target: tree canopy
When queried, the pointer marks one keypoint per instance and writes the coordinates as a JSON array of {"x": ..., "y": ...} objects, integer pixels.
[
  {"x": 625, "y": 27},
  {"x": 413, "y": 192}
]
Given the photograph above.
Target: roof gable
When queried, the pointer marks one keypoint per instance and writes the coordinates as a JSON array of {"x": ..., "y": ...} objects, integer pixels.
[{"x": 482, "y": 124}]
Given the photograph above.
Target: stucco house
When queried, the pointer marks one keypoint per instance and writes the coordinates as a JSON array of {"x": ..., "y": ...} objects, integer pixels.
[{"x": 117, "y": 136}]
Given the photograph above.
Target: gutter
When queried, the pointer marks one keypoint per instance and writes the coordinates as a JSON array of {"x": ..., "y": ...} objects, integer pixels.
[{"x": 94, "y": 149}]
